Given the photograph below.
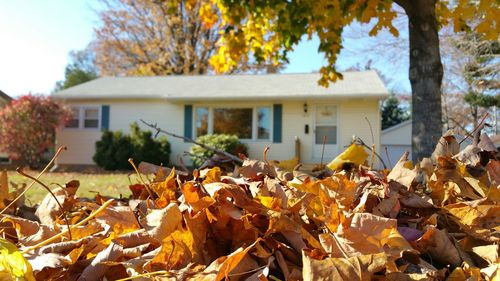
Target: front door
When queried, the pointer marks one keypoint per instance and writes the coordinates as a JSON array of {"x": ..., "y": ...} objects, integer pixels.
[{"x": 325, "y": 135}]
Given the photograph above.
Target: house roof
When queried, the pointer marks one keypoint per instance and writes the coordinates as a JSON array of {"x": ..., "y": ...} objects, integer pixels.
[
  {"x": 396, "y": 127},
  {"x": 365, "y": 84},
  {"x": 5, "y": 97}
]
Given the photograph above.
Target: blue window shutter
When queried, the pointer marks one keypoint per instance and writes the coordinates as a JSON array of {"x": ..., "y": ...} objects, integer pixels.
[
  {"x": 105, "y": 117},
  {"x": 188, "y": 121},
  {"x": 277, "y": 122}
]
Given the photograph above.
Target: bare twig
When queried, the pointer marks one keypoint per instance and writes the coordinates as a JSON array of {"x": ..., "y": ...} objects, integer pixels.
[
  {"x": 387, "y": 154},
  {"x": 216, "y": 150},
  {"x": 360, "y": 141},
  {"x": 131, "y": 161},
  {"x": 479, "y": 126},
  {"x": 21, "y": 172}
]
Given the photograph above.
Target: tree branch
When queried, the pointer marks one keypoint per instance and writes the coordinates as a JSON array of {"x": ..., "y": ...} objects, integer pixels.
[{"x": 216, "y": 150}]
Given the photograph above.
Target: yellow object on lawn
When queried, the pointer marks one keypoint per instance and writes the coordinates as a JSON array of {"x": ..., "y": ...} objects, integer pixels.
[{"x": 355, "y": 154}]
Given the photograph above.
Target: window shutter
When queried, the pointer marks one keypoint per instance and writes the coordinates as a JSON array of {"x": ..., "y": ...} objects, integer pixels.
[
  {"x": 277, "y": 122},
  {"x": 105, "y": 117},
  {"x": 188, "y": 121}
]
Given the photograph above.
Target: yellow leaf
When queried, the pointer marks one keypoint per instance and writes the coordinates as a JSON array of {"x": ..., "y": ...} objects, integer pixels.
[
  {"x": 195, "y": 198},
  {"x": 233, "y": 260},
  {"x": 166, "y": 188},
  {"x": 287, "y": 165},
  {"x": 353, "y": 154},
  {"x": 13, "y": 266},
  {"x": 212, "y": 175}
]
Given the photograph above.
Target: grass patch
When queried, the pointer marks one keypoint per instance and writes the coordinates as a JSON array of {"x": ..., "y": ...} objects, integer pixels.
[{"x": 114, "y": 185}]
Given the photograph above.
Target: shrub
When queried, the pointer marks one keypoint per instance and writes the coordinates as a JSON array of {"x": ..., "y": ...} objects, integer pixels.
[
  {"x": 115, "y": 148},
  {"x": 27, "y": 127},
  {"x": 228, "y": 143}
]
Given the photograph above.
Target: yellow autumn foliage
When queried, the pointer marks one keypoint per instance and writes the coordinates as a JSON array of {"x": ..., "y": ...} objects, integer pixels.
[{"x": 13, "y": 266}]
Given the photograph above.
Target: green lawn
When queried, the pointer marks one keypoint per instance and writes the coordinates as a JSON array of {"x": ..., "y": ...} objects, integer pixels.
[{"x": 90, "y": 184}]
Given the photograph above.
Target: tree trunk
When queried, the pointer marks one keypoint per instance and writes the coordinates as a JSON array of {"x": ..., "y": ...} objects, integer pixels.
[{"x": 426, "y": 75}]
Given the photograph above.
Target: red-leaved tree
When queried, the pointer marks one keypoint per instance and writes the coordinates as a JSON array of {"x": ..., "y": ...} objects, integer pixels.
[{"x": 27, "y": 127}]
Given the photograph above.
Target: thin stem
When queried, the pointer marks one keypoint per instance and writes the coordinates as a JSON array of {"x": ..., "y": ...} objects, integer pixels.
[
  {"x": 131, "y": 161},
  {"x": 264, "y": 154},
  {"x": 387, "y": 154},
  {"x": 322, "y": 152},
  {"x": 49, "y": 240},
  {"x": 37, "y": 177},
  {"x": 373, "y": 156},
  {"x": 371, "y": 129},
  {"x": 20, "y": 171},
  {"x": 360, "y": 141},
  {"x": 480, "y": 125},
  {"x": 145, "y": 275}
]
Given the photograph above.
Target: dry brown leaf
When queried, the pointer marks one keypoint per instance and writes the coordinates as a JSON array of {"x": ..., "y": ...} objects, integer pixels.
[
  {"x": 133, "y": 239},
  {"x": 486, "y": 143},
  {"x": 476, "y": 219},
  {"x": 492, "y": 272},
  {"x": 120, "y": 218},
  {"x": 161, "y": 223},
  {"x": 176, "y": 251},
  {"x": 211, "y": 175},
  {"x": 489, "y": 253},
  {"x": 232, "y": 261},
  {"x": 437, "y": 243},
  {"x": 493, "y": 168},
  {"x": 446, "y": 147},
  {"x": 165, "y": 190},
  {"x": 402, "y": 174},
  {"x": 97, "y": 268},
  {"x": 356, "y": 268},
  {"x": 51, "y": 260},
  {"x": 49, "y": 209},
  {"x": 255, "y": 169},
  {"x": 195, "y": 198},
  {"x": 469, "y": 155},
  {"x": 371, "y": 234}
]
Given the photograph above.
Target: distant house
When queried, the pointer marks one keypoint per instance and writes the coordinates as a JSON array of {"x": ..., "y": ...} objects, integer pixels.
[
  {"x": 263, "y": 110},
  {"x": 4, "y": 100},
  {"x": 397, "y": 140}
]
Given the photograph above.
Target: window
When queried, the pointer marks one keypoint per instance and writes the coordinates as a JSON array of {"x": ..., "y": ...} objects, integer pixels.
[
  {"x": 4, "y": 159},
  {"x": 201, "y": 121},
  {"x": 75, "y": 118},
  {"x": 233, "y": 121},
  {"x": 251, "y": 123},
  {"x": 84, "y": 117},
  {"x": 326, "y": 124},
  {"x": 264, "y": 123},
  {"x": 91, "y": 118}
]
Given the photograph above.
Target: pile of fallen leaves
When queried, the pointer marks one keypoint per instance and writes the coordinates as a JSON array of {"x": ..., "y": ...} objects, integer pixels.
[{"x": 437, "y": 220}]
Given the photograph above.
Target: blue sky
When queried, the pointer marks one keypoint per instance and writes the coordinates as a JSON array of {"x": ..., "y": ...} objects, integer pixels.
[{"x": 36, "y": 37}]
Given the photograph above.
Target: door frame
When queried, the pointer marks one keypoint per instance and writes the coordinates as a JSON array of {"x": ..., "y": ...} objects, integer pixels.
[{"x": 313, "y": 137}]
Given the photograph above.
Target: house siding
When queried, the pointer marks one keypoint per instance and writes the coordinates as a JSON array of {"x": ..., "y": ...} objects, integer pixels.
[{"x": 170, "y": 116}]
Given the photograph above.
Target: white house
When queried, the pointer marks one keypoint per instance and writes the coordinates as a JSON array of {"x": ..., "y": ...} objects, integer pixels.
[{"x": 263, "y": 110}]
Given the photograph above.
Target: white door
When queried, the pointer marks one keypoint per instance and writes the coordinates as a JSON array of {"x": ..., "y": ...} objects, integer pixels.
[{"x": 325, "y": 134}]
